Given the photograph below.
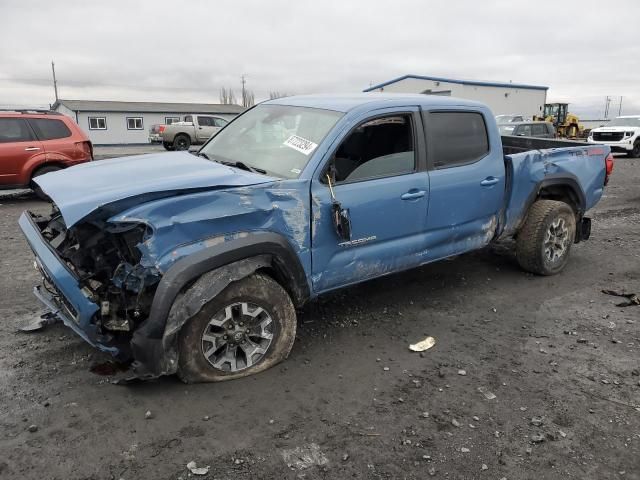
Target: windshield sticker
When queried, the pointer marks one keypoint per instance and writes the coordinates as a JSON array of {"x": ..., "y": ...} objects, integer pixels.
[
  {"x": 296, "y": 171},
  {"x": 300, "y": 144}
]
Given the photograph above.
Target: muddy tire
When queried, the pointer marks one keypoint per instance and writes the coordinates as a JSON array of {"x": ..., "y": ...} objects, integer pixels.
[
  {"x": 34, "y": 186},
  {"x": 181, "y": 142},
  {"x": 168, "y": 146},
  {"x": 544, "y": 242},
  {"x": 249, "y": 327}
]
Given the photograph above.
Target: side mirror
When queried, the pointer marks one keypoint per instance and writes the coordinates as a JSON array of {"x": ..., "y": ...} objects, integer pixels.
[{"x": 341, "y": 221}]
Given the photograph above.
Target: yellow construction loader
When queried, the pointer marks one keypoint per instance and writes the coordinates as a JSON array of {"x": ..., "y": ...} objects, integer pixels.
[{"x": 567, "y": 124}]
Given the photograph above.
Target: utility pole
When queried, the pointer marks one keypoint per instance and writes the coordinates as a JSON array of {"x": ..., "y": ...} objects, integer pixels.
[
  {"x": 55, "y": 84},
  {"x": 620, "y": 106},
  {"x": 607, "y": 101}
]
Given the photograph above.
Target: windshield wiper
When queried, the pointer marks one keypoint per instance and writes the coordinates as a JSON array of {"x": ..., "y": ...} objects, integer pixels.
[
  {"x": 204, "y": 155},
  {"x": 246, "y": 167}
]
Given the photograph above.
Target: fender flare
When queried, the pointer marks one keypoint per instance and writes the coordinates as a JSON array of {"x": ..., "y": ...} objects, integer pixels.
[
  {"x": 565, "y": 180},
  {"x": 153, "y": 346}
]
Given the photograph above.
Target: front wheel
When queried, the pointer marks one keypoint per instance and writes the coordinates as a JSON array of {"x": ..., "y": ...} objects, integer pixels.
[
  {"x": 249, "y": 327},
  {"x": 545, "y": 240},
  {"x": 635, "y": 153}
]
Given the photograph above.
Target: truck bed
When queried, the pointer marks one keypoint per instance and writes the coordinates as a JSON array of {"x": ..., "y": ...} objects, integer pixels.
[
  {"x": 535, "y": 163},
  {"x": 511, "y": 144}
]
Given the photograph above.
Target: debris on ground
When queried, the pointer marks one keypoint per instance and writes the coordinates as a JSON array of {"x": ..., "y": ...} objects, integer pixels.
[
  {"x": 148, "y": 415},
  {"x": 194, "y": 469},
  {"x": 633, "y": 298},
  {"x": 487, "y": 394},
  {"x": 33, "y": 428},
  {"x": 462, "y": 372},
  {"x": 303, "y": 457},
  {"x": 423, "y": 345},
  {"x": 37, "y": 324}
]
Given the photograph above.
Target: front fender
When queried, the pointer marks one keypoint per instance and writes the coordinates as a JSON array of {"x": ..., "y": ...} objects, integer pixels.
[{"x": 153, "y": 344}]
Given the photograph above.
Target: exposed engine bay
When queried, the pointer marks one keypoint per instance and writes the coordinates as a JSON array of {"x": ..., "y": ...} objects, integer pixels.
[{"x": 106, "y": 261}]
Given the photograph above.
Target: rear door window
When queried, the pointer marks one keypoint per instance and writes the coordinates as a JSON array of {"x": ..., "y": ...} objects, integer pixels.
[
  {"x": 457, "y": 138},
  {"x": 206, "y": 121},
  {"x": 15, "y": 130},
  {"x": 49, "y": 129}
]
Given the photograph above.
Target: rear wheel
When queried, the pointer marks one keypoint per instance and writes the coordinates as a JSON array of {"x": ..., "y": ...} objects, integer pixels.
[
  {"x": 167, "y": 145},
  {"x": 249, "y": 327},
  {"x": 545, "y": 240},
  {"x": 635, "y": 153},
  {"x": 181, "y": 142},
  {"x": 34, "y": 186}
]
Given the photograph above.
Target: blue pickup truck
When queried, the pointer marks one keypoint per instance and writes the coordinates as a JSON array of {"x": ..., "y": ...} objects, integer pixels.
[{"x": 194, "y": 264}]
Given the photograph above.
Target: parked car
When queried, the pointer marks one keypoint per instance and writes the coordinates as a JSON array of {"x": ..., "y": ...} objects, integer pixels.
[
  {"x": 194, "y": 130},
  {"x": 194, "y": 264},
  {"x": 622, "y": 134},
  {"x": 510, "y": 118},
  {"x": 33, "y": 143},
  {"x": 528, "y": 129}
]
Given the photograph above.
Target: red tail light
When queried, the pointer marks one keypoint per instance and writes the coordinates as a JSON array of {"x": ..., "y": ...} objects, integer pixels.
[
  {"x": 608, "y": 162},
  {"x": 161, "y": 128}
]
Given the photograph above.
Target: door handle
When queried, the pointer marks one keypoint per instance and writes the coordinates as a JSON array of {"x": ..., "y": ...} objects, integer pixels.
[
  {"x": 413, "y": 194},
  {"x": 487, "y": 182},
  {"x": 31, "y": 149}
]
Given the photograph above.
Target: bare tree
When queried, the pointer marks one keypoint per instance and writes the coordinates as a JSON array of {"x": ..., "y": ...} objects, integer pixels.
[
  {"x": 248, "y": 99},
  {"x": 276, "y": 94},
  {"x": 227, "y": 97}
]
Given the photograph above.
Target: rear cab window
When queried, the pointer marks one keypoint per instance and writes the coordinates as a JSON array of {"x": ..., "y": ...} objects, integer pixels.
[
  {"x": 456, "y": 138},
  {"x": 49, "y": 128}
]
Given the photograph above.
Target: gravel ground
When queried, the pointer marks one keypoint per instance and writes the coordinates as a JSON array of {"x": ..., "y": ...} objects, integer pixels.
[{"x": 530, "y": 377}]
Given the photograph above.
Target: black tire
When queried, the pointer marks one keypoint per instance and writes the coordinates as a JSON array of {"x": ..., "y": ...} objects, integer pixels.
[
  {"x": 168, "y": 146},
  {"x": 544, "y": 242},
  {"x": 34, "y": 186},
  {"x": 181, "y": 142},
  {"x": 256, "y": 290},
  {"x": 635, "y": 153}
]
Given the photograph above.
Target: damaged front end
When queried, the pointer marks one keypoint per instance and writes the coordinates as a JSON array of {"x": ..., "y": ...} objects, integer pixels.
[{"x": 92, "y": 277}]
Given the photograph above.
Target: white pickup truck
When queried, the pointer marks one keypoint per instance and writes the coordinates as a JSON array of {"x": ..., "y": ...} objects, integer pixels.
[
  {"x": 622, "y": 134},
  {"x": 193, "y": 130}
]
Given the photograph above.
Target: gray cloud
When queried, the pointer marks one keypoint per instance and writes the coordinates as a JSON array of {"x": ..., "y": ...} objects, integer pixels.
[{"x": 185, "y": 51}]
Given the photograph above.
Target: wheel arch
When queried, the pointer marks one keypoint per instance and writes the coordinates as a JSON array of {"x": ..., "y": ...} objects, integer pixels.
[
  {"x": 153, "y": 343},
  {"x": 564, "y": 189},
  {"x": 40, "y": 166}
]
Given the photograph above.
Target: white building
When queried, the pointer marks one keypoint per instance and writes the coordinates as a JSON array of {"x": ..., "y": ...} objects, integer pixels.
[
  {"x": 502, "y": 98},
  {"x": 117, "y": 123}
]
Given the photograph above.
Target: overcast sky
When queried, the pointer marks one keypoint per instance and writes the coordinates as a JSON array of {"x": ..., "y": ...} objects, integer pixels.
[{"x": 163, "y": 50}]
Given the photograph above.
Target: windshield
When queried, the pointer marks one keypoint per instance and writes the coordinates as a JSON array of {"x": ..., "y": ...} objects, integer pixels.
[
  {"x": 508, "y": 118},
  {"x": 278, "y": 139},
  {"x": 624, "y": 122},
  {"x": 506, "y": 129}
]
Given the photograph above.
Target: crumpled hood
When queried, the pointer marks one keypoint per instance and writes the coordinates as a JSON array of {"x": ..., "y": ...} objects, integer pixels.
[{"x": 82, "y": 189}]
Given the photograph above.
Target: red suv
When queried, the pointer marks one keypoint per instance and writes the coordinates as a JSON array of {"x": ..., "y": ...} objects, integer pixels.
[{"x": 34, "y": 143}]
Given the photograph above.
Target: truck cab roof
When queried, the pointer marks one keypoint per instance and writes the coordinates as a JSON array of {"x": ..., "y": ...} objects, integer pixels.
[{"x": 347, "y": 102}]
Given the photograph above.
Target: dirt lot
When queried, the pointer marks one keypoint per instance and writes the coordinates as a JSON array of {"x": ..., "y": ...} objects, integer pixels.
[{"x": 352, "y": 401}]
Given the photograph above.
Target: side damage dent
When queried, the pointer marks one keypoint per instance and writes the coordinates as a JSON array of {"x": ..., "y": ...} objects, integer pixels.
[{"x": 161, "y": 354}]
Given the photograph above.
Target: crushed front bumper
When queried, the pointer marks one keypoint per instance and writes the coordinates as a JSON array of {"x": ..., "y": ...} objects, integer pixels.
[{"x": 60, "y": 291}]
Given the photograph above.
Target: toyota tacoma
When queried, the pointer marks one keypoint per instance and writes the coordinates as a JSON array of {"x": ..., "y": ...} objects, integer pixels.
[{"x": 194, "y": 264}]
